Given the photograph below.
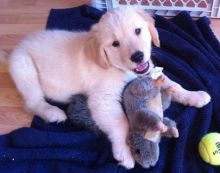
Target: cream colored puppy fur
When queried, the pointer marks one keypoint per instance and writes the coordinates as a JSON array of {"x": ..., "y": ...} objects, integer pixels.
[{"x": 57, "y": 64}]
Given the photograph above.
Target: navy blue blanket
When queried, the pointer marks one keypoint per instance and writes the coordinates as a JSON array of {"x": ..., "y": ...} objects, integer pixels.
[{"x": 190, "y": 54}]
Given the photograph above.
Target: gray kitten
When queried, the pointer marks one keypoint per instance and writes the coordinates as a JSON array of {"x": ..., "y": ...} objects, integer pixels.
[{"x": 144, "y": 103}]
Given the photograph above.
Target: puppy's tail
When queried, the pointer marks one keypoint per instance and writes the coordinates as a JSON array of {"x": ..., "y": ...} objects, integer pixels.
[{"x": 3, "y": 57}]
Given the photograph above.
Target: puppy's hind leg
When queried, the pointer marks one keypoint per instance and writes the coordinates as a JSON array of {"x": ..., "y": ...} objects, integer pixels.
[{"x": 25, "y": 76}]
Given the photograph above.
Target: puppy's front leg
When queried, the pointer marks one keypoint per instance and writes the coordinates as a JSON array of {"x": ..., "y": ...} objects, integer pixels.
[
  {"x": 181, "y": 95},
  {"x": 109, "y": 116}
]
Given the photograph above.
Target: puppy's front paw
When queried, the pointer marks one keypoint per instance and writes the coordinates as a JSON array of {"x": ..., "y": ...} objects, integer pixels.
[
  {"x": 202, "y": 98},
  {"x": 54, "y": 114},
  {"x": 197, "y": 99},
  {"x": 123, "y": 155}
]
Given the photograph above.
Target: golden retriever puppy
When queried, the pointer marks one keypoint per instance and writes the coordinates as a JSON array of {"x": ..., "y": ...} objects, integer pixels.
[{"x": 57, "y": 64}]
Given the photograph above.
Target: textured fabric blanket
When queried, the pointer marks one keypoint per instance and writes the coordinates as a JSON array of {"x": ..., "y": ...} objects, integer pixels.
[{"x": 190, "y": 55}]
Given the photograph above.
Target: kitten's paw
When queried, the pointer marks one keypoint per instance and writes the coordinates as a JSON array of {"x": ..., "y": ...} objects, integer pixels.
[{"x": 172, "y": 129}]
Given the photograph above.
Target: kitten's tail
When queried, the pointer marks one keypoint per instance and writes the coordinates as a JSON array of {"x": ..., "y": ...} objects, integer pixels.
[{"x": 3, "y": 57}]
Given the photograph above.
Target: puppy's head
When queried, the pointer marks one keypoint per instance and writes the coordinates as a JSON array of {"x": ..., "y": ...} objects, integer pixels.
[{"x": 123, "y": 39}]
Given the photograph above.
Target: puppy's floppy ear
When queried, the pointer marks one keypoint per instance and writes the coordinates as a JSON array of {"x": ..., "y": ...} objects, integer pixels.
[
  {"x": 151, "y": 27},
  {"x": 95, "y": 50},
  {"x": 154, "y": 35}
]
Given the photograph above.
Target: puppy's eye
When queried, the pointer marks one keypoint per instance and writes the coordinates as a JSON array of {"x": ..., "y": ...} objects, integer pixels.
[
  {"x": 116, "y": 44},
  {"x": 137, "y": 31}
]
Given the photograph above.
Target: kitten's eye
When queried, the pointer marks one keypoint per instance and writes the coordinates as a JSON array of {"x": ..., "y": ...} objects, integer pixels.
[
  {"x": 137, "y": 151},
  {"x": 116, "y": 44},
  {"x": 137, "y": 31}
]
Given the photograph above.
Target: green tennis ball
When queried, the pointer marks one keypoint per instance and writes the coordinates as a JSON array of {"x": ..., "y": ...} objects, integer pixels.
[{"x": 209, "y": 148}]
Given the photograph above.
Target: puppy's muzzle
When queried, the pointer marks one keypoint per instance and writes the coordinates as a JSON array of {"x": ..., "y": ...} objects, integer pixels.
[{"x": 137, "y": 57}]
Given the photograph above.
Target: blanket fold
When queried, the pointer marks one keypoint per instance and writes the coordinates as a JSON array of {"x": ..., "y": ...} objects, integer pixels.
[{"x": 190, "y": 55}]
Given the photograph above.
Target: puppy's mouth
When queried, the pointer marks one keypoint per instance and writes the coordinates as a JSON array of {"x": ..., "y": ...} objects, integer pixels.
[{"x": 142, "y": 68}]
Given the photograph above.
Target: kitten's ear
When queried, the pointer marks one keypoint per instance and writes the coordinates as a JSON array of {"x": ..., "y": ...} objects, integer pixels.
[{"x": 150, "y": 22}]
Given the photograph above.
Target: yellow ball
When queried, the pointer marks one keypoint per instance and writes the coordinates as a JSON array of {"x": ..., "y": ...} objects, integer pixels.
[{"x": 209, "y": 148}]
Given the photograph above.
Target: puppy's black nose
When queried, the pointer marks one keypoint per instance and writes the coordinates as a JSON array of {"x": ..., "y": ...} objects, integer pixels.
[{"x": 137, "y": 57}]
